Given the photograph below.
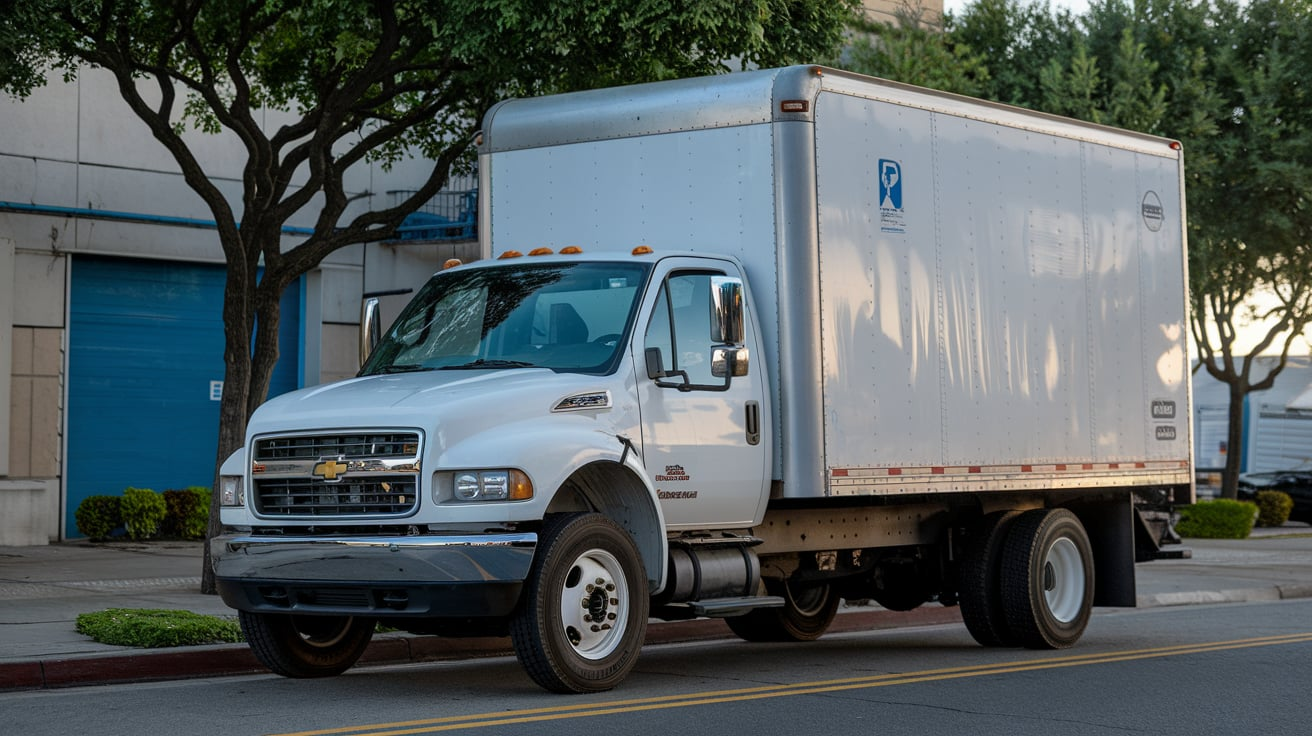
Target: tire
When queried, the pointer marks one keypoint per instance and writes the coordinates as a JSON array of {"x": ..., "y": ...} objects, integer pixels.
[
  {"x": 583, "y": 617},
  {"x": 805, "y": 616},
  {"x": 979, "y": 589},
  {"x": 306, "y": 646},
  {"x": 1047, "y": 579}
]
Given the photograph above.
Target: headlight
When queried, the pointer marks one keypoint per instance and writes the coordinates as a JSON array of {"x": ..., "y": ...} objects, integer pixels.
[
  {"x": 492, "y": 485},
  {"x": 230, "y": 491}
]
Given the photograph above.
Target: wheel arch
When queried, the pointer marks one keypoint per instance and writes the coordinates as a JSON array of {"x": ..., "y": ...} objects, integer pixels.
[{"x": 620, "y": 493}]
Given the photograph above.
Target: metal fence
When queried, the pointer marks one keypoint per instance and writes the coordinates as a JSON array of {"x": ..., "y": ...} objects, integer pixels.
[{"x": 452, "y": 214}]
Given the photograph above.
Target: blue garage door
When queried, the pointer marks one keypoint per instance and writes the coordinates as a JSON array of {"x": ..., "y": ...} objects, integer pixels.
[{"x": 145, "y": 366}]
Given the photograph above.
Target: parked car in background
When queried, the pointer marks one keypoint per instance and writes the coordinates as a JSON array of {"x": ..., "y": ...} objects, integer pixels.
[{"x": 1297, "y": 483}]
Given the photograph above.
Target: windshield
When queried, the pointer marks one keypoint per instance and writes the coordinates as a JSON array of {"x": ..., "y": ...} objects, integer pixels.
[{"x": 563, "y": 316}]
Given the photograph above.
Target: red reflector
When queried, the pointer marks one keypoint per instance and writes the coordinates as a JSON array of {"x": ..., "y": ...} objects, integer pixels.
[{"x": 794, "y": 106}]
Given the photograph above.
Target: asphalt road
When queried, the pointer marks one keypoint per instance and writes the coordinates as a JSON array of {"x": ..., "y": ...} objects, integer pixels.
[{"x": 1208, "y": 669}]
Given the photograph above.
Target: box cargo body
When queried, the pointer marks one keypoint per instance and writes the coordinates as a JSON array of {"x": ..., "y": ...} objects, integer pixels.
[{"x": 955, "y": 296}]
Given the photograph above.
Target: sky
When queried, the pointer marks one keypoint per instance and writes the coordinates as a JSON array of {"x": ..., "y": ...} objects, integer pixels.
[{"x": 1075, "y": 6}]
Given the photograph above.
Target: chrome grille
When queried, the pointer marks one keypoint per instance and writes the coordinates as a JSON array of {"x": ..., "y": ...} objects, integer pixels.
[
  {"x": 377, "y": 445},
  {"x": 374, "y": 474}
]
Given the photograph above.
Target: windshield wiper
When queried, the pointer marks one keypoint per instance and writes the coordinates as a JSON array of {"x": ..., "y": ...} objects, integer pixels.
[
  {"x": 482, "y": 363},
  {"x": 402, "y": 368}
]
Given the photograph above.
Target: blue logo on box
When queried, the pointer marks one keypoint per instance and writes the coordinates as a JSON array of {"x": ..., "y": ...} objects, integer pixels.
[{"x": 890, "y": 184}]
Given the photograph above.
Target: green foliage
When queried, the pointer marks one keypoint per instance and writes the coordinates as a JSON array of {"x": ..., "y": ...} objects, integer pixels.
[
  {"x": 908, "y": 50},
  {"x": 1273, "y": 507},
  {"x": 187, "y": 513},
  {"x": 98, "y": 516},
  {"x": 143, "y": 512},
  {"x": 1218, "y": 519},
  {"x": 130, "y": 627}
]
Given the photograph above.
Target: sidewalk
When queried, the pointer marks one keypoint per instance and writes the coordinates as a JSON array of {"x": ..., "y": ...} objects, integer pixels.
[{"x": 43, "y": 589}]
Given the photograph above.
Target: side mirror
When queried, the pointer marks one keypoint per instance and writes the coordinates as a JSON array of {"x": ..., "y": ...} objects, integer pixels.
[
  {"x": 729, "y": 362},
  {"x": 371, "y": 327},
  {"x": 727, "y": 311},
  {"x": 655, "y": 363}
]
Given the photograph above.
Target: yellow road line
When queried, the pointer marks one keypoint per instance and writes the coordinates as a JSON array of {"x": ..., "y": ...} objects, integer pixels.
[{"x": 554, "y": 713}]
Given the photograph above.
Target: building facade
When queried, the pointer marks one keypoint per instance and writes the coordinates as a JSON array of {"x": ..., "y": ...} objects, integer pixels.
[{"x": 111, "y": 286}]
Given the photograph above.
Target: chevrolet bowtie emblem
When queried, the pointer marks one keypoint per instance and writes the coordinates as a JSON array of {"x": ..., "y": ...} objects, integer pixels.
[{"x": 329, "y": 470}]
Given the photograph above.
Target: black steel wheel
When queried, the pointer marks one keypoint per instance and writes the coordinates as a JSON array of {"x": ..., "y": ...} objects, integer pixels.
[
  {"x": 306, "y": 646},
  {"x": 1047, "y": 579},
  {"x": 979, "y": 587},
  {"x": 583, "y": 617}
]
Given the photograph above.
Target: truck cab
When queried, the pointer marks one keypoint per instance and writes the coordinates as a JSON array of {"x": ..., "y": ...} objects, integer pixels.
[{"x": 619, "y": 390}]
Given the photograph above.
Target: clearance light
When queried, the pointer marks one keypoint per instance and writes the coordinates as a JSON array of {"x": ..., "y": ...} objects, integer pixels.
[
  {"x": 794, "y": 106},
  {"x": 1175, "y": 146},
  {"x": 541, "y": 252},
  {"x": 452, "y": 263},
  {"x": 571, "y": 250},
  {"x": 643, "y": 250},
  {"x": 510, "y": 254}
]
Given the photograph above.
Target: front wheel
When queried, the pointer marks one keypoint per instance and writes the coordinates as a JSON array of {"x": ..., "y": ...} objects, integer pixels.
[
  {"x": 583, "y": 619},
  {"x": 1047, "y": 579},
  {"x": 306, "y": 646}
]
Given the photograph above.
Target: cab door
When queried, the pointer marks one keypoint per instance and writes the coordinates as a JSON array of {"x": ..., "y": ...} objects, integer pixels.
[{"x": 706, "y": 436}]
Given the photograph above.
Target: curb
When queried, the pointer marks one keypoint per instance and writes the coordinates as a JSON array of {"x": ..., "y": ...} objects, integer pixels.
[
  {"x": 1239, "y": 595},
  {"x": 236, "y": 659}
]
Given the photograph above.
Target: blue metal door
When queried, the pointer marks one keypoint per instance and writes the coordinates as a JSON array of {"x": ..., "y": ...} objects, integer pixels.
[{"x": 145, "y": 375}]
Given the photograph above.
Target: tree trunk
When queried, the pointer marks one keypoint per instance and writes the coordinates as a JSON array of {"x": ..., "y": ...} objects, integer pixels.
[
  {"x": 1234, "y": 440},
  {"x": 238, "y": 325}
]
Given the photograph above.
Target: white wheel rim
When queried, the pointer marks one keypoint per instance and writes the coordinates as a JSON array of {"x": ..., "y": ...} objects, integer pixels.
[
  {"x": 1063, "y": 580},
  {"x": 594, "y": 604}
]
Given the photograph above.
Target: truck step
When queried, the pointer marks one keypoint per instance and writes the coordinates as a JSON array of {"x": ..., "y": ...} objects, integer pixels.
[{"x": 724, "y": 607}]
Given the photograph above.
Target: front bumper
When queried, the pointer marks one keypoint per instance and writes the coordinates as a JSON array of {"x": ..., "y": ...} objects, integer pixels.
[{"x": 422, "y": 577}]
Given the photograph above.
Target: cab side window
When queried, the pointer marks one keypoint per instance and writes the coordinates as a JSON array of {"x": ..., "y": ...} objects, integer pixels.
[{"x": 681, "y": 325}]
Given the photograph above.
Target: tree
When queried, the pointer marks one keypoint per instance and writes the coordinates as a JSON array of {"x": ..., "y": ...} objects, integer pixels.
[
  {"x": 1253, "y": 234},
  {"x": 359, "y": 81},
  {"x": 911, "y": 50}
]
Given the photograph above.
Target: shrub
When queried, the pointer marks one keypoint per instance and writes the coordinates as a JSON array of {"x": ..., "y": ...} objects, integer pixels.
[
  {"x": 1273, "y": 507},
  {"x": 187, "y": 513},
  {"x": 98, "y": 516},
  {"x": 144, "y": 627},
  {"x": 1218, "y": 519},
  {"x": 143, "y": 511}
]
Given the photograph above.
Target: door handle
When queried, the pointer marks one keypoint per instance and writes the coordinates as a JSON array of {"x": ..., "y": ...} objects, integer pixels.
[{"x": 753, "y": 410}]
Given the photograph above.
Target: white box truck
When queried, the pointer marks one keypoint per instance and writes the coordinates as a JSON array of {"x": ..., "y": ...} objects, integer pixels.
[{"x": 742, "y": 346}]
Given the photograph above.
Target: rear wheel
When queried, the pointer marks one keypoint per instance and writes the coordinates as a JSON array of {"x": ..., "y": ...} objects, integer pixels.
[
  {"x": 978, "y": 585},
  {"x": 583, "y": 619},
  {"x": 306, "y": 646},
  {"x": 806, "y": 614},
  {"x": 1047, "y": 579}
]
